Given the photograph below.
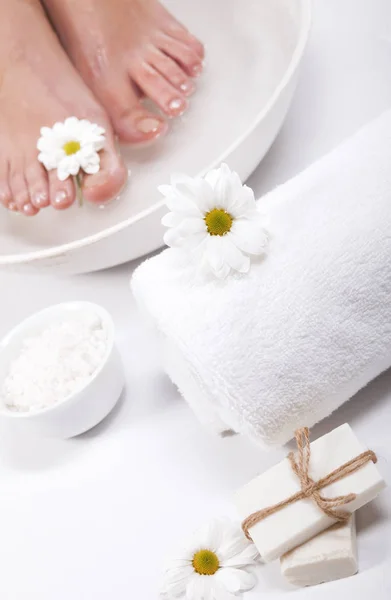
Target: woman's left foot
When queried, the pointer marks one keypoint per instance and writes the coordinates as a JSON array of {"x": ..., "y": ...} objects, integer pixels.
[{"x": 126, "y": 49}]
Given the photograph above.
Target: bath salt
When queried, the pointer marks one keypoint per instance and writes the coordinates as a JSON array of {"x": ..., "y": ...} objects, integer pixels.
[{"x": 54, "y": 363}]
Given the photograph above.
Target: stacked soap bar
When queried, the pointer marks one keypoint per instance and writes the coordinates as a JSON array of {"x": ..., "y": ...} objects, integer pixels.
[
  {"x": 295, "y": 524},
  {"x": 328, "y": 556}
]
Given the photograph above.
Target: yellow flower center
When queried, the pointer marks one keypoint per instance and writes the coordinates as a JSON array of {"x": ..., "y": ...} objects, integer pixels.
[
  {"x": 205, "y": 562},
  {"x": 218, "y": 221},
  {"x": 71, "y": 147}
]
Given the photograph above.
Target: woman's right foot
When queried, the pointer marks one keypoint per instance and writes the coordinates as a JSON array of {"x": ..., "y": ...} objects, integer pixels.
[
  {"x": 38, "y": 87},
  {"x": 126, "y": 49}
]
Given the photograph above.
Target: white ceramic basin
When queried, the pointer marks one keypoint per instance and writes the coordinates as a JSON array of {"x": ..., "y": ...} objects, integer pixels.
[{"x": 254, "y": 49}]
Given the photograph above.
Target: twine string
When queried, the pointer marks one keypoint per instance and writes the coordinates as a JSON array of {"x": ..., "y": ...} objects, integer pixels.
[{"x": 310, "y": 488}]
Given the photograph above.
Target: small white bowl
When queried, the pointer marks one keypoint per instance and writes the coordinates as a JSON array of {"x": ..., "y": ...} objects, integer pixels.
[{"x": 81, "y": 410}]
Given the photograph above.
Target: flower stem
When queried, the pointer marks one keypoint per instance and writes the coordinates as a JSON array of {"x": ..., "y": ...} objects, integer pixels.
[{"x": 79, "y": 191}]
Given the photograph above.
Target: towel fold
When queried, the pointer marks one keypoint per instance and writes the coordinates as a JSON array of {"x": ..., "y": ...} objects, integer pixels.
[{"x": 285, "y": 345}]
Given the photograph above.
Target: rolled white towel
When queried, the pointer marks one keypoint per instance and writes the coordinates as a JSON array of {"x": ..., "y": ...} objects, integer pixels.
[{"x": 310, "y": 324}]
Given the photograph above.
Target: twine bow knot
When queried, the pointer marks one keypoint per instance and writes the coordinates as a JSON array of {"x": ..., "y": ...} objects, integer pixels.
[{"x": 310, "y": 488}]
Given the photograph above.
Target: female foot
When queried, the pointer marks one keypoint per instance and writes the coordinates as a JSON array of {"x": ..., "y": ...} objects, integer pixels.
[
  {"x": 126, "y": 49},
  {"x": 38, "y": 87}
]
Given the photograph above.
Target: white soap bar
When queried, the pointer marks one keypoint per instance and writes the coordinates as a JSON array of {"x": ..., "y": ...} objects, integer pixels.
[
  {"x": 328, "y": 556},
  {"x": 302, "y": 520}
]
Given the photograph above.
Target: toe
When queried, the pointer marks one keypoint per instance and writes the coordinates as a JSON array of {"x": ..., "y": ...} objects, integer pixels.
[
  {"x": 6, "y": 198},
  {"x": 158, "y": 89},
  {"x": 179, "y": 32},
  {"x": 38, "y": 185},
  {"x": 132, "y": 122},
  {"x": 19, "y": 190},
  {"x": 110, "y": 179},
  {"x": 61, "y": 193},
  {"x": 175, "y": 29},
  {"x": 184, "y": 55},
  {"x": 29, "y": 210},
  {"x": 171, "y": 71}
]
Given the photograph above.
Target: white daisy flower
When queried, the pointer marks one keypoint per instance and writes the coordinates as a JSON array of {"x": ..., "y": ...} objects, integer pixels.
[
  {"x": 215, "y": 219},
  {"x": 213, "y": 566},
  {"x": 71, "y": 146}
]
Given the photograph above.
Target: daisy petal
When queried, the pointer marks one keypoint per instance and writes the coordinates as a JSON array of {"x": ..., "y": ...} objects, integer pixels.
[
  {"x": 46, "y": 132},
  {"x": 241, "y": 559},
  {"x": 99, "y": 143},
  {"x": 199, "y": 192},
  {"x": 249, "y": 236},
  {"x": 208, "y": 588},
  {"x": 220, "y": 593},
  {"x": 48, "y": 161},
  {"x": 195, "y": 588},
  {"x": 100, "y": 131},
  {"x": 175, "y": 563},
  {"x": 192, "y": 225},
  {"x": 70, "y": 164},
  {"x": 58, "y": 128},
  {"x": 71, "y": 122},
  {"x": 175, "y": 582},
  {"x": 212, "y": 176},
  {"x": 207, "y": 192},
  {"x": 221, "y": 272},
  {"x": 195, "y": 243},
  {"x": 91, "y": 169},
  {"x": 209, "y": 536},
  {"x": 44, "y": 144},
  {"x": 229, "y": 193},
  {"x": 236, "y": 580},
  {"x": 171, "y": 219},
  {"x": 222, "y": 189},
  {"x": 178, "y": 573},
  {"x": 234, "y": 257},
  {"x": 62, "y": 173},
  {"x": 201, "y": 587},
  {"x": 214, "y": 255},
  {"x": 248, "y": 580},
  {"x": 234, "y": 545},
  {"x": 184, "y": 205},
  {"x": 173, "y": 238},
  {"x": 89, "y": 162},
  {"x": 242, "y": 202}
]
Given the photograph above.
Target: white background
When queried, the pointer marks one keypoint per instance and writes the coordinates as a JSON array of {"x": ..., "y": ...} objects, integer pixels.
[{"x": 93, "y": 518}]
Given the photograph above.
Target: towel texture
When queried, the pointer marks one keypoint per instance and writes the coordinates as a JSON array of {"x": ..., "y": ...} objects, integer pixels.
[{"x": 285, "y": 345}]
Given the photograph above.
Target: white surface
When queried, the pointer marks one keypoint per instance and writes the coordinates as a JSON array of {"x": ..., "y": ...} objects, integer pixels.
[
  {"x": 253, "y": 53},
  {"x": 300, "y": 521},
  {"x": 79, "y": 410},
  {"x": 328, "y": 556},
  {"x": 93, "y": 518}
]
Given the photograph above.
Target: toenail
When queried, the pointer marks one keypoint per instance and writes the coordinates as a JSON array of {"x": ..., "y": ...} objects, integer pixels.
[
  {"x": 177, "y": 106},
  {"x": 40, "y": 199},
  {"x": 187, "y": 87},
  {"x": 149, "y": 125},
  {"x": 196, "y": 70},
  {"x": 60, "y": 198},
  {"x": 28, "y": 208},
  {"x": 12, "y": 206}
]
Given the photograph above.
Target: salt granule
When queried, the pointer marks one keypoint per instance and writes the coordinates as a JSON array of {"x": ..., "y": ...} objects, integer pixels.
[{"x": 54, "y": 364}]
